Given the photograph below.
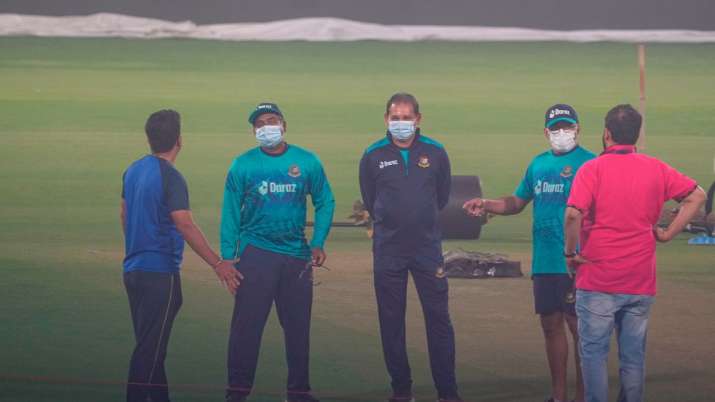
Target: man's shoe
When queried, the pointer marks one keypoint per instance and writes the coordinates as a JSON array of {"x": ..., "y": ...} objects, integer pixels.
[
  {"x": 458, "y": 399},
  {"x": 233, "y": 396},
  {"x": 403, "y": 398},
  {"x": 301, "y": 397}
]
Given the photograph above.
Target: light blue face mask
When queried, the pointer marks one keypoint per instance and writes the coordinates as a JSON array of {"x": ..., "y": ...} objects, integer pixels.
[
  {"x": 269, "y": 136},
  {"x": 402, "y": 130}
]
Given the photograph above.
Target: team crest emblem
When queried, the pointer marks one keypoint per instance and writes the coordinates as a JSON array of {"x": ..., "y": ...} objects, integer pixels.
[
  {"x": 440, "y": 272},
  {"x": 567, "y": 172},
  {"x": 294, "y": 171},
  {"x": 423, "y": 162}
]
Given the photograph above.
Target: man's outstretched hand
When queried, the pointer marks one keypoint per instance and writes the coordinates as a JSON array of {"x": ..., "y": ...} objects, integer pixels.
[{"x": 475, "y": 207}]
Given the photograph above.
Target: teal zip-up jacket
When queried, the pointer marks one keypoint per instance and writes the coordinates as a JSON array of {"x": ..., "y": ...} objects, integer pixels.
[{"x": 264, "y": 203}]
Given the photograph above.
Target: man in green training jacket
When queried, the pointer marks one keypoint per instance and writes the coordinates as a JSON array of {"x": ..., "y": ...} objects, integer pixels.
[
  {"x": 547, "y": 182},
  {"x": 263, "y": 224}
]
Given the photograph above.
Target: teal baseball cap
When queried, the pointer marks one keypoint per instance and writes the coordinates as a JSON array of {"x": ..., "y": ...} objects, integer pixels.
[
  {"x": 560, "y": 112},
  {"x": 262, "y": 108}
]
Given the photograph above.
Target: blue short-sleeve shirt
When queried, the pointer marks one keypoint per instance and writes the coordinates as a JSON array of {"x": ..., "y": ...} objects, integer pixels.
[{"x": 152, "y": 189}]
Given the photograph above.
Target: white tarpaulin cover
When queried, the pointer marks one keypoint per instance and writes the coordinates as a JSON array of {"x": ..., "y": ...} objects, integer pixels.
[{"x": 315, "y": 29}]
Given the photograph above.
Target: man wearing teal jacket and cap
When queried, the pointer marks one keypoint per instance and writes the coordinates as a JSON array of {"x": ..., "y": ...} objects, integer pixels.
[
  {"x": 547, "y": 182},
  {"x": 263, "y": 224}
]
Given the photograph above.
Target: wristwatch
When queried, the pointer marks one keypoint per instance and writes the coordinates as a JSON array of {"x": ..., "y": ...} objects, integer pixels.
[{"x": 570, "y": 255}]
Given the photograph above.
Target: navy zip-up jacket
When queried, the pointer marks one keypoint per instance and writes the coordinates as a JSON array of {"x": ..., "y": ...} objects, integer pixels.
[{"x": 404, "y": 190}]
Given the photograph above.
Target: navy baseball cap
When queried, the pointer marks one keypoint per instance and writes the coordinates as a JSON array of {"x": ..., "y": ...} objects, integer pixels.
[
  {"x": 560, "y": 112},
  {"x": 262, "y": 108}
]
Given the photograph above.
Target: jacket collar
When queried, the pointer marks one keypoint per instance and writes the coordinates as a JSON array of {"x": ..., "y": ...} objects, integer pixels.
[
  {"x": 285, "y": 149},
  {"x": 412, "y": 146},
  {"x": 620, "y": 149},
  {"x": 558, "y": 155}
]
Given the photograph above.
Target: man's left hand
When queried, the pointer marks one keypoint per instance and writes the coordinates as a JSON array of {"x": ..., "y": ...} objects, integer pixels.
[
  {"x": 318, "y": 257},
  {"x": 228, "y": 275}
]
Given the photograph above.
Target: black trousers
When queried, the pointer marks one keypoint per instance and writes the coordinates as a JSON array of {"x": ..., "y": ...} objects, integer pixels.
[
  {"x": 391, "y": 274},
  {"x": 154, "y": 300},
  {"x": 267, "y": 278}
]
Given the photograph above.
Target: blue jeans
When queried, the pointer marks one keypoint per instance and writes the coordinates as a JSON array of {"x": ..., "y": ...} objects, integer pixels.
[{"x": 598, "y": 314}]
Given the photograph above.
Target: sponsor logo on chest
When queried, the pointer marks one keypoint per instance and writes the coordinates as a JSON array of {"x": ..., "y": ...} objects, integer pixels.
[
  {"x": 544, "y": 187},
  {"x": 384, "y": 164},
  {"x": 267, "y": 187}
]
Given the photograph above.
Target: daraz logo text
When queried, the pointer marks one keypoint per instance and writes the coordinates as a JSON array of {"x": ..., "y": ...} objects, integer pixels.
[
  {"x": 546, "y": 187},
  {"x": 557, "y": 112},
  {"x": 272, "y": 187}
]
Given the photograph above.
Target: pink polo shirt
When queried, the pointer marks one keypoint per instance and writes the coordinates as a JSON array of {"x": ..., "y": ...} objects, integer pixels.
[{"x": 621, "y": 194}]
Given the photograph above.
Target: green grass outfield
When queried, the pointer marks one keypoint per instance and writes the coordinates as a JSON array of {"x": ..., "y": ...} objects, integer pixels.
[{"x": 71, "y": 120}]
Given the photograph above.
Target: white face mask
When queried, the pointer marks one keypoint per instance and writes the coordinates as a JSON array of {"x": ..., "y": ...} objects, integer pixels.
[
  {"x": 402, "y": 130},
  {"x": 269, "y": 136},
  {"x": 562, "y": 140}
]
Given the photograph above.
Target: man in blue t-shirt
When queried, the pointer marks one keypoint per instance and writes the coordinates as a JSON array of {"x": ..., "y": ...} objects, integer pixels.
[
  {"x": 548, "y": 182},
  {"x": 156, "y": 220}
]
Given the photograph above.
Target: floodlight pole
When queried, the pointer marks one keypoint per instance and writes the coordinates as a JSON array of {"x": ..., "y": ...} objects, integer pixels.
[{"x": 641, "y": 67}]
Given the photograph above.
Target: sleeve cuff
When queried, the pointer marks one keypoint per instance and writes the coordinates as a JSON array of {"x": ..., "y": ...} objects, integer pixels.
[
  {"x": 686, "y": 194},
  {"x": 522, "y": 196},
  {"x": 575, "y": 207}
]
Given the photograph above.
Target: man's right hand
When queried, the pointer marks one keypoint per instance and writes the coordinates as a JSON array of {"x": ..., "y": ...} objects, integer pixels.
[
  {"x": 475, "y": 207},
  {"x": 662, "y": 235},
  {"x": 229, "y": 275},
  {"x": 572, "y": 264}
]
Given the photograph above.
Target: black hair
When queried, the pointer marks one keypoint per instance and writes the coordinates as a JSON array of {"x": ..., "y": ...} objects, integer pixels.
[
  {"x": 403, "y": 97},
  {"x": 162, "y": 130},
  {"x": 624, "y": 123}
]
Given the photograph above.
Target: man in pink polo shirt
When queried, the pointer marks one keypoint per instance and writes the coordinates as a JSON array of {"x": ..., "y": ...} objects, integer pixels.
[{"x": 614, "y": 205}]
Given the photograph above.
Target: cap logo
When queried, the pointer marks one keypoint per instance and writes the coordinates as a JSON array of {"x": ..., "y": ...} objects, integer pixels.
[{"x": 558, "y": 112}]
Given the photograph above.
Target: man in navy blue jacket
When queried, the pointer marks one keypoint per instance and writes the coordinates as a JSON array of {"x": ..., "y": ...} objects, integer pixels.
[{"x": 405, "y": 181}]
